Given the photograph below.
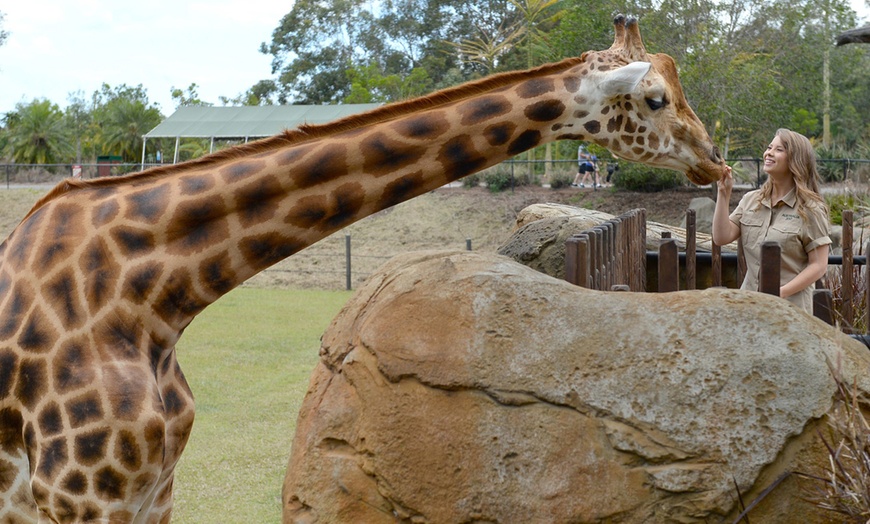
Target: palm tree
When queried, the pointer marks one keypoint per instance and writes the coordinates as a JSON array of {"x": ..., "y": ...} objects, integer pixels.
[
  {"x": 36, "y": 134},
  {"x": 126, "y": 122}
]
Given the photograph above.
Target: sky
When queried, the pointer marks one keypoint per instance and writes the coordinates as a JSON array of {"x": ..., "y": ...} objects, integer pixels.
[{"x": 58, "y": 47}]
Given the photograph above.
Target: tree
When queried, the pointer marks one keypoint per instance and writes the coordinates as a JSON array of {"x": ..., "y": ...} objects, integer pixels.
[
  {"x": 190, "y": 97},
  {"x": 36, "y": 134},
  {"x": 3, "y": 34},
  {"x": 123, "y": 115}
]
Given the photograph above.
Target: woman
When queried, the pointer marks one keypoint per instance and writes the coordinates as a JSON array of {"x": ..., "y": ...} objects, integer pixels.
[{"x": 789, "y": 209}]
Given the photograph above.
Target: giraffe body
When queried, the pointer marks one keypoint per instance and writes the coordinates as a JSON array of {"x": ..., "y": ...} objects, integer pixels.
[{"x": 100, "y": 279}]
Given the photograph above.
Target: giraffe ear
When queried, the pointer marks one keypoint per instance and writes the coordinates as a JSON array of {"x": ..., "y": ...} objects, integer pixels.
[{"x": 625, "y": 79}]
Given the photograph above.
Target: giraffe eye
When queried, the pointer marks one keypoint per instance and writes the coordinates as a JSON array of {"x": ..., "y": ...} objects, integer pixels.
[{"x": 656, "y": 103}]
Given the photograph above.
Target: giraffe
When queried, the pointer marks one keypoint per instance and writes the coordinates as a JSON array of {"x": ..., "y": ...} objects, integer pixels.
[{"x": 100, "y": 279}]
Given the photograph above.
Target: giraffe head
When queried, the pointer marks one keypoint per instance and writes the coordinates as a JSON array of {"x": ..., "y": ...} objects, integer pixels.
[{"x": 643, "y": 115}]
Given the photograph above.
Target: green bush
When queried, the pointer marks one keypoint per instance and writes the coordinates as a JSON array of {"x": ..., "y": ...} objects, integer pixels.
[
  {"x": 841, "y": 201},
  {"x": 829, "y": 168},
  {"x": 471, "y": 180},
  {"x": 560, "y": 180},
  {"x": 498, "y": 180},
  {"x": 637, "y": 177}
]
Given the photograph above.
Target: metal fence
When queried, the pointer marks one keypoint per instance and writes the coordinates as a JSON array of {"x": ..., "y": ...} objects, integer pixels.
[{"x": 518, "y": 171}]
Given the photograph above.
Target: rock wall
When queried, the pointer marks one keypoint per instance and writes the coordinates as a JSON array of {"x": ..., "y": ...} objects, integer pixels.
[{"x": 461, "y": 387}]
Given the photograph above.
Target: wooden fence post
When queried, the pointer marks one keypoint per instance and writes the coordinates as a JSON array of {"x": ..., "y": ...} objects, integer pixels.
[
  {"x": 771, "y": 267},
  {"x": 669, "y": 264},
  {"x": 691, "y": 257}
]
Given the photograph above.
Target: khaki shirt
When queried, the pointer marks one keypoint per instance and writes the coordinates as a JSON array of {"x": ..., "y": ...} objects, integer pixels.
[{"x": 781, "y": 223}]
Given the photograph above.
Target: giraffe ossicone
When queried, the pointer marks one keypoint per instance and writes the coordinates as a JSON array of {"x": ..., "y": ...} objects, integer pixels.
[{"x": 100, "y": 279}]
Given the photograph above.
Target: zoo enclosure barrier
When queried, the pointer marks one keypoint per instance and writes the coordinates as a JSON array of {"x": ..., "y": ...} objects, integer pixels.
[
  {"x": 833, "y": 170},
  {"x": 612, "y": 256}
]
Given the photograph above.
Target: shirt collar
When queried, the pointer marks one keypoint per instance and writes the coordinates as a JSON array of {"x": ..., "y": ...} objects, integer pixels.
[{"x": 790, "y": 199}]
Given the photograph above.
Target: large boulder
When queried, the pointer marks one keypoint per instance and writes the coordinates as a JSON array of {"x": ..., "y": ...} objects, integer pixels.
[{"x": 463, "y": 387}]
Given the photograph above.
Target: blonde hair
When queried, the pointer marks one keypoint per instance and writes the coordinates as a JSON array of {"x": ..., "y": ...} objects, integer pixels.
[{"x": 804, "y": 170}]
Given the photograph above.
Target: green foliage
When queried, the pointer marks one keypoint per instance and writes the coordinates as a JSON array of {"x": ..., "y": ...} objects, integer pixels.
[
  {"x": 637, "y": 177},
  {"x": 472, "y": 180},
  {"x": 838, "y": 202},
  {"x": 560, "y": 180},
  {"x": 36, "y": 134},
  {"x": 500, "y": 178}
]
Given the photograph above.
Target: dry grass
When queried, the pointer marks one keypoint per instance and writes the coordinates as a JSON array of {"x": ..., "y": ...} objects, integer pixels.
[{"x": 844, "y": 487}]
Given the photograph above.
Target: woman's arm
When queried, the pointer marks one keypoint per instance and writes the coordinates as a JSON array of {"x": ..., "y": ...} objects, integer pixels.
[
  {"x": 724, "y": 230},
  {"x": 816, "y": 267}
]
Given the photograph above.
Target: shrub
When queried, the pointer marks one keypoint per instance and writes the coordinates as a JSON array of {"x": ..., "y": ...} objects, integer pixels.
[
  {"x": 498, "y": 180},
  {"x": 560, "y": 180},
  {"x": 471, "y": 180},
  {"x": 637, "y": 177}
]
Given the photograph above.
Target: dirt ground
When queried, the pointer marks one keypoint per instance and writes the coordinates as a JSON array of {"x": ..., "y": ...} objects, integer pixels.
[{"x": 448, "y": 218}]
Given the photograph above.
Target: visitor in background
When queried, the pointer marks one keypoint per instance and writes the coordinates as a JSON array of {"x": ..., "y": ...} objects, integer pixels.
[
  {"x": 587, "y": 165},
  {"x": 789, "y": 209}
]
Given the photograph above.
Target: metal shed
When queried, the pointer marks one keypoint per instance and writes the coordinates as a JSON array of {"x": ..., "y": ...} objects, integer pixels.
[{"x": 244, "y": 123}]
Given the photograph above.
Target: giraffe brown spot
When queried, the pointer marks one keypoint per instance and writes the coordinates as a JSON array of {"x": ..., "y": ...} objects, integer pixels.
[
  {"x": 11, "y": 440},
  {"x": 110, "y": 484},
  {"x": 120, "y": 334},
  {"x": 428, "y": 126},
  {"x": 536, "y": 87},
  {"x": 196, "y": 184},
  {"x": 592, "y": 126},
  {"x": 217, "y": 274},
  {"x": 653, "y": 141},
  {"x": 382, "y": 156},
  {"x": 261, "y": 251},
  {"x": 90, "y": 448},
  {"x": 127, "y": 392},
  {"x": 524, "y": 142},
  {"x": 459, "y": 157},
  {"x": 64, "y": 508},
  {"x": 100, "y": 270},
  {"x": 8, "y": 369},
  {"x": 292, "y": 155},
  {"x": 62, "y": 291},
  {"x": 256, "y": 201},
  {"x": 155, "y": 433},
  {"x": 640, "y": 140},
  {"x": 605, "y": 110},
  {"x": 37, "y": 335},
  {"x": 127, "y": 451},
  {"x": 176, "y": 302},
  {"x": 328, "y": 163},
  {"x": 92, "y": 512},
  {"x": 403, "y": 189},
  {"x": 241, "y": 169},
  {"x": 19, "y": 251},
  {"x": 133, "y": 241},
  {"x": 544, "y": 110},
  {"x": 8, "y": 472},
  {"x": 84, "y": 409},
  {"x": 75, "y": 483},
  {"x": 572, "y": 83},
  {"x": 499, "y": 134},
  {"x": 50, "y": 420},
  {"x": 482, "y": 109},
  {"x": 627, "y": 139},
  {"x": 32, "y": 382},
  {"x": 71, "y": 367},
  {"x": 149, "y": 204},
  {"x": 141, "y": 280},
  {"x": 614, "y": 125},
  {"x": 143, "y": 483},
  {"x": 630, "y": 126},
  {"x": 18, "y": 302},
  {"x": 196, "y": 225},
  {"x": 52, "y": 457},
  {"x": 328, "y": 212},
  {"x": 173, "y": 403},
  {"x": 104, "y": 213}
]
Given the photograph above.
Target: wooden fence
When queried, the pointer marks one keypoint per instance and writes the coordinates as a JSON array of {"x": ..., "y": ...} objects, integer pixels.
[{"x": 613, "y": 256}]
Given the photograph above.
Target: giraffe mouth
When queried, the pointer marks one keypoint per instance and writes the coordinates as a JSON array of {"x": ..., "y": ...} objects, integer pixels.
[{"x": 701, "y": 178}]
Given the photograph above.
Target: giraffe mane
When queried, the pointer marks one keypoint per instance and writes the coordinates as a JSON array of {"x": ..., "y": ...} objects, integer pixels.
[{"x": 306, "y": 132}]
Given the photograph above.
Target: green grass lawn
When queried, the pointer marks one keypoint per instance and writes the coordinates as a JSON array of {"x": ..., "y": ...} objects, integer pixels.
[{"x": 247, "y": 359}]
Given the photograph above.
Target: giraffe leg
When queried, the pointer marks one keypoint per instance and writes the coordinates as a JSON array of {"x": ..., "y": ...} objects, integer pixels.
[{"x": 16, "y": 500}]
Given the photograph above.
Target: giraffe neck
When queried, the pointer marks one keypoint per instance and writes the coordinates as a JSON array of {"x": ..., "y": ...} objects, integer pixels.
[{"x": 192, "y": 232}]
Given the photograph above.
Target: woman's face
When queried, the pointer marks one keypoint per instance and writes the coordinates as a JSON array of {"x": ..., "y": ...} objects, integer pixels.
[{"x": 776, "y": 158}]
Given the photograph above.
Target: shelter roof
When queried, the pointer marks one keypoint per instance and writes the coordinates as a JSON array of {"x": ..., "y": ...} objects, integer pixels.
[{"x": 248, "y": 121}]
